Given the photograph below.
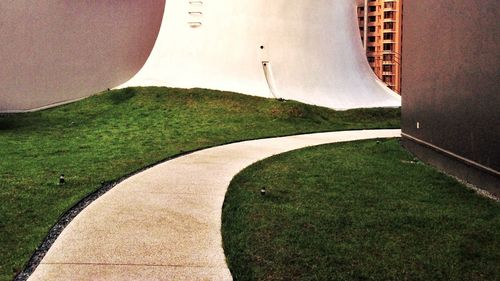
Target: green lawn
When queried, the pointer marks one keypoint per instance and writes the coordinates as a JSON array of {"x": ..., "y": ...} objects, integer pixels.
[
  {"x": 357, "y": 211},
  {"x": 110, "y": 135}
]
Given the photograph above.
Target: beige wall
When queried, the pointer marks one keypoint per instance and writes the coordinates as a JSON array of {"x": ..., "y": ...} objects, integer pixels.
[{"x": 53, "y": 51}]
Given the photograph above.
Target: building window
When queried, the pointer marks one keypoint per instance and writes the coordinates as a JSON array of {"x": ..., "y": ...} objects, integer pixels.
[
  {"x": 388, "y": 47},
  {"x": 388, "y": 36},
  {"x": 388, "y": 5},
  {"x": 387, "y": 68},
  {"x": 372, "y": 28},
  {"x": 388, "y": 57},
  {"x": 372, "y": 18},
  {"x": 389, "y": 15}
]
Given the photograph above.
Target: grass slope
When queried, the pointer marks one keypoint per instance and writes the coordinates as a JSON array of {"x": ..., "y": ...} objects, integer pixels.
[
  {"x": 357, "y": 211},
  {"x": 107, "y": 136}
]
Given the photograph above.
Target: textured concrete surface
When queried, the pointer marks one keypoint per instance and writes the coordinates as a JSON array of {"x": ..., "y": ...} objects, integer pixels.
[{"x": 164, "y": 223}]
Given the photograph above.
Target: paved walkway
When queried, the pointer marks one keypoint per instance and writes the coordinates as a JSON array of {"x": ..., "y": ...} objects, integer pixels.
[{"x": 164, "y": 223}]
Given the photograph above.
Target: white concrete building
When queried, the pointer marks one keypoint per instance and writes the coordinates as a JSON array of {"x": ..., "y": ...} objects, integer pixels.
[{"x": 303, "y": 50}]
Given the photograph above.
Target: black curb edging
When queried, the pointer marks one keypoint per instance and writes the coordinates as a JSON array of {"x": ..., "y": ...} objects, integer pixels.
[{"x": 73, "y": 211}]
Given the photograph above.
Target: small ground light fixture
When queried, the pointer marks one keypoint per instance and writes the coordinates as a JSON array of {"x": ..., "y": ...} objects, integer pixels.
[
  {"x": 61, "y": 179},
  {"x": 263, "y": 191}
]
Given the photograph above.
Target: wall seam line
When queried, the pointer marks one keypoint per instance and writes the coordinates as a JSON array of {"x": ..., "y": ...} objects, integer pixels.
[{"x": 449, "y": 153}]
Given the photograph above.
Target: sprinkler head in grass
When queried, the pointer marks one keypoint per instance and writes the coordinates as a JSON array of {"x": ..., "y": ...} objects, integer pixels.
[
  {"x": 61, "y": 179},
  {"x": 263, "y": 191}
]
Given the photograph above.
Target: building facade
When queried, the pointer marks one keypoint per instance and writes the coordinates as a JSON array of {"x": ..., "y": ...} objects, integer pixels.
[
  {"x": 380, "y": 25},
  {"x": 267, "y": 51},
  {"x": 60, "y": 51},
  {"x": 451, "y": 104}
]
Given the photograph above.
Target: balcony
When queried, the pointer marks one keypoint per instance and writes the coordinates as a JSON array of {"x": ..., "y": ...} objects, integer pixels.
[{"x": 390, "y": 6}]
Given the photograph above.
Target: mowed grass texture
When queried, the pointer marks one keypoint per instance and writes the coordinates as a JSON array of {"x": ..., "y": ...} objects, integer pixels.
[
  {"x": 105, "y": 137},
  {"x": 357, "y": 211}
]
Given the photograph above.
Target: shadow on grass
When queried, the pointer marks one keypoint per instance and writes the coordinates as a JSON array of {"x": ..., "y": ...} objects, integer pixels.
[
  {"x": 118, "y": 97},
  {"x": 11, "y": 122}
]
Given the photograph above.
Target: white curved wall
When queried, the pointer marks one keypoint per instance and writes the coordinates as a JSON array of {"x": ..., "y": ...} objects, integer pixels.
[
  {"x": 55, "y": 51},
  {"x": 313, "y": 49}
]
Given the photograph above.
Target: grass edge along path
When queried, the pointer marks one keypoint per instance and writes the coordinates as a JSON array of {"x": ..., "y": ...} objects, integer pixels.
[
  {"x": 97, "y": 140},
  {"x": 363, "y": 210}
]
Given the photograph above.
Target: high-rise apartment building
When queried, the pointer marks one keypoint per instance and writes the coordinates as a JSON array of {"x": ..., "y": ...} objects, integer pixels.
[{"x": 380, "y": 24}]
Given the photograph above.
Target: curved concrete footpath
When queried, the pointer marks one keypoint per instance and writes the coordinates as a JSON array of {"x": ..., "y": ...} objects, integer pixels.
[{"x": 164, "y": 223}]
